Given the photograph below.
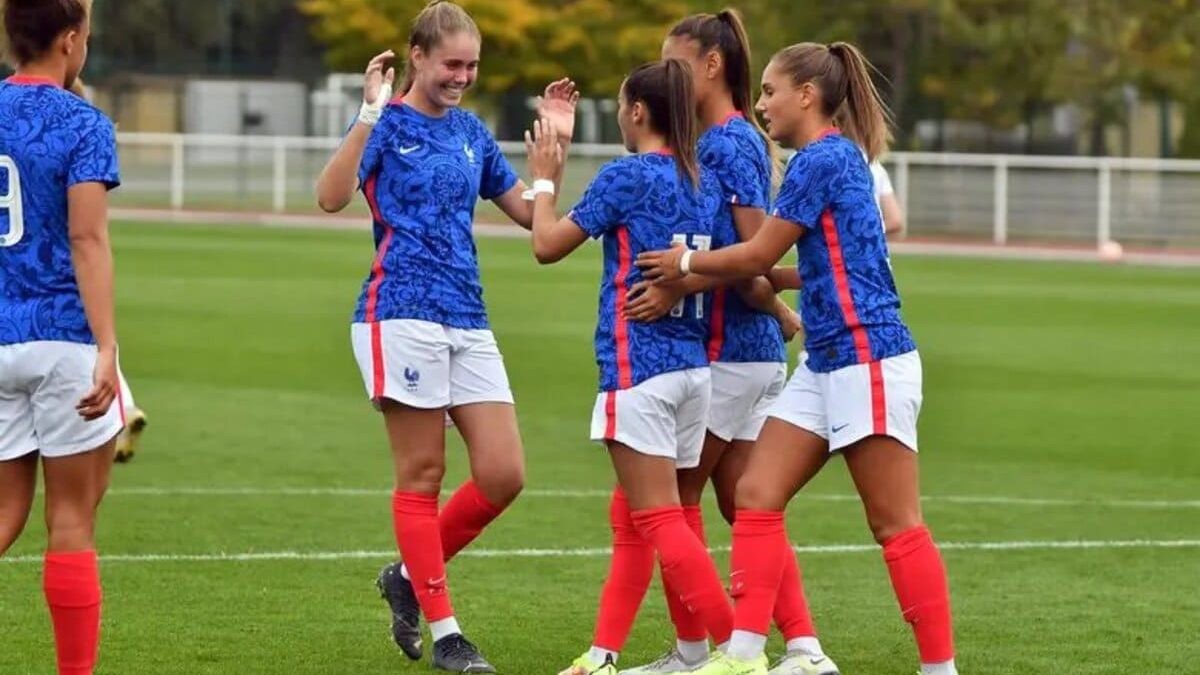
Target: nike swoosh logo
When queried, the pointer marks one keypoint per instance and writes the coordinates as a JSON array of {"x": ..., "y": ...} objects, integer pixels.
[
  {"x": 837, "y": 429},
  {"x": 817, "y": 662},
  {"x": 405, "y": 151}
]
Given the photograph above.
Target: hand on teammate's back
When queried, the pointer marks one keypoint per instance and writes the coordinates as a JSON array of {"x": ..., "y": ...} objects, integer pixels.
[{"x": 650, "y": 302}]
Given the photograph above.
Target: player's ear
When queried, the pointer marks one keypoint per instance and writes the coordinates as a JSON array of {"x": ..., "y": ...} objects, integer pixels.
[
  {"x": 712, "y": 64},
  {"x": 809, "y": 95},
  {"x": 66, "y": 41},
  {"x": 637, "y": 112}
]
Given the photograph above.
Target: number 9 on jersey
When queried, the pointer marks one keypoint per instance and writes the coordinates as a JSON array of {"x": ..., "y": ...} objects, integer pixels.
[{"x": 10, "y": 202}]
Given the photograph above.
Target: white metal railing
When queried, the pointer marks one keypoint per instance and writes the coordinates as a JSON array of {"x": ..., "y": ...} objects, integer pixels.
[{"x": 1002, "y": 198}]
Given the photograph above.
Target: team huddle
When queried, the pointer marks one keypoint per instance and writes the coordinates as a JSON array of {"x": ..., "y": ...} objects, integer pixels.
[{"x": 690, "y": 338}]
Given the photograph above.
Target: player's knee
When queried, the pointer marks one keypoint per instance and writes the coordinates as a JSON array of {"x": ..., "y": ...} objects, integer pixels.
[
  {"x": 756, "y": 494},
  {"x": 70, "y": 531},
  {"x": 886, "y": 524},
  {"x": 421, "y": 474},
  {"x": 502, "y": 485}
]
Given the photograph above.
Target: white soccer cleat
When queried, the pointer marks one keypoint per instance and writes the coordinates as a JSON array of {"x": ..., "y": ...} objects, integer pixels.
[
  {"x": 803, "y": 663},
  {"x": 672, "y": 662}
]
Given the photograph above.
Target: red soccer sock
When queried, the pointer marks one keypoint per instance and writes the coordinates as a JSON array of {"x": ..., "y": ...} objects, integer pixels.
[
  {"x": 629, "y": 574},
  {"x": 687, "y": 568},
  {"x": 919, "y": 579},
  {"x": 688, "y": 626},
  {"x": 71, "y": 582},
  {"x": 792, "y": 615},
  {"x": 464, "y": 517},
  {"x": 759, "y": 542},
  {"x": 415, "y": 517}
]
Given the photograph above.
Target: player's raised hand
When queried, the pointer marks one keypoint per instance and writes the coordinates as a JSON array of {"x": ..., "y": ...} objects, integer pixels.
[
  {"x": 557, "y": 104},
  {"x": 377, "y": 83},
  {"x": 662, "y": 266},
  {"x": 545, "y": 154},
  {"x": 104, "y": 389},
  {"x": 648, "y": 301}
]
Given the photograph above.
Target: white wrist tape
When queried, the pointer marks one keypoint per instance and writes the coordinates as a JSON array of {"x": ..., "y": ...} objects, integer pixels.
[
  {"x": 539, "y": 186},
  {"x": 369, "y": 113},
  {"x": 685, "y": 262}
]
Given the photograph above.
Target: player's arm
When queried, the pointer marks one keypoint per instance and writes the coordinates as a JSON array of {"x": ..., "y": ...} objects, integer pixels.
[
  {"x": 785, "y": 278},
  {"x": 553, "y": 237},
  {"x": 557, "y": 107},
  {"x": 740, "y": 261},
  {"x": 91, "y": 256},
  {"x": 339, "y": 179},
  {"x": 893, "y": 215}
]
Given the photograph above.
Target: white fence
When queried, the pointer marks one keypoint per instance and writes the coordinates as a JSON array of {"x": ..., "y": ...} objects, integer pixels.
[{"x": 1001, "y": 198}]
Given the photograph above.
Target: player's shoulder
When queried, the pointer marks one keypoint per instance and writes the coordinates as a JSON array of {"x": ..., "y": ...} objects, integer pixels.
[{"x": 469, "y": 123}]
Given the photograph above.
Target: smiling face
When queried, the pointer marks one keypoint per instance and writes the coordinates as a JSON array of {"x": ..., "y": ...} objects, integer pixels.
[
  {"x": 448, "y": 69},
  {"x": 783, "y": 105}
]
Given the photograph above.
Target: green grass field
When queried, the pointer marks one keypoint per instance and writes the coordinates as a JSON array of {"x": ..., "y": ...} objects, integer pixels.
[{"x": 1056, "y": 409}]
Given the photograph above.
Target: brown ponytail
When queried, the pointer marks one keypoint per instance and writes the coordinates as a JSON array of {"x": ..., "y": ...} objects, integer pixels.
[
  {"x": 726, "y": 33},
  {"x": 438, "y": 19},
  {"x": 865, "y": 118},
  {"x": 847, "y": 92},
  {"x": 665, "y": 88}
]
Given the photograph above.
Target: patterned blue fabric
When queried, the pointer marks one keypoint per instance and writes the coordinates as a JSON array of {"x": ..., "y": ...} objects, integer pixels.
[
  {"x": 635, "y": 204},
  {"x": 849, "y": 303},
  {"x": 422, "y": 177},
  {"x": 54, "y": 140},
  {"x": 737, "y": 154}
]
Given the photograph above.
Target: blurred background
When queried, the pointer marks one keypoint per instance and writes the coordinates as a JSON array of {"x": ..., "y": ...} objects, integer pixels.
[{"x": 1016, "y": 121}]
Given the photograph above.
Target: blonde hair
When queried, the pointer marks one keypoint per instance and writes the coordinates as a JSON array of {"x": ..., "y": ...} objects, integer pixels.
[{"x": 437, "y": 20}]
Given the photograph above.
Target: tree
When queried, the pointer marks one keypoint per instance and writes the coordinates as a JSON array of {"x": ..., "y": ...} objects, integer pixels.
[{"x": 525, "y": 43}]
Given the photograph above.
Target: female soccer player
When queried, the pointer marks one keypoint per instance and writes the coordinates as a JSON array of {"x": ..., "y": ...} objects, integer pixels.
[
  {"x": 746, "y": 346},
  {"x": 420, "y": 331},
  {"x": 654, "y": 377},
  {"x": 59, "y": 393},
  {"x": 860, "y": 390}
]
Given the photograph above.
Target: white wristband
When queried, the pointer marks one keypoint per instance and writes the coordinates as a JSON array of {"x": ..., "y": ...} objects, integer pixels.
[
  {"x": 685, "y": 262},
  {"x": 541, "y": 185},
  {"x": 369, "y": 113}
]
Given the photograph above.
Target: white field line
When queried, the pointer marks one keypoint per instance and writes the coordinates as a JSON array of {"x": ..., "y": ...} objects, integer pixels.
[
  {"x": 511, "y": 554},
  {"x": 998, "y": 500}
]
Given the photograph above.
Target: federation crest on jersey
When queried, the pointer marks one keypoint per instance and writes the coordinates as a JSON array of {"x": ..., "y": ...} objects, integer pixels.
[{"x": 469, "y": 152}]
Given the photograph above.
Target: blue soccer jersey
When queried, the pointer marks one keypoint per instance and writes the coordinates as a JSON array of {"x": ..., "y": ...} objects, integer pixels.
[
  {"x": 422, "y": 177},
  {"x": 641, "y": 203},
  {"x": 50, "y": 140},
  {"x": 849, "y": 304},
  {"x": 737, "y": 154}
]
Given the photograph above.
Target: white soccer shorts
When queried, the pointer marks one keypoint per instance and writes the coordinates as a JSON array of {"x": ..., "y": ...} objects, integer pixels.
[
  {"x": 427, "y": 365},
  {"x": 40, "y": 385},
  {"x": 742, "y": 395},
  {"x": 665, "y": 416},
  {"x": 881, "y": 398}
]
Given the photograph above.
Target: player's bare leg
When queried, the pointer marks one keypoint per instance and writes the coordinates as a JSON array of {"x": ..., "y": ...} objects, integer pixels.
[
  {"x": 19, "y": 478},
  {"x": 418, "y": 441},
  {"x": 74, "y": 487},
  {"x": 784, "y": 459},
  {"x": 691, "y": 638},
  {"x": 887, "y": 478}
]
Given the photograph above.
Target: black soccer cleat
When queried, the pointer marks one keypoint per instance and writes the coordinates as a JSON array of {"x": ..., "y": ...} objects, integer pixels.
[
  {"x": 406, "y": 612},
  {"x": 456, "y": 654}
]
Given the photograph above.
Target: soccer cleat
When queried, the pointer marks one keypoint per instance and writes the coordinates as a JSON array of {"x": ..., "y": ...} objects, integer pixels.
[
  {"x": 584, "y": 665},
  {"x": 720, "y": 663},
  {"x": 127, "y": 440},
  {"x": 456, "y": 654},
  {"x": 406, "y": 612},
  {"x": 803, "y": 663},
  {"x": 672, "y": 662}
]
